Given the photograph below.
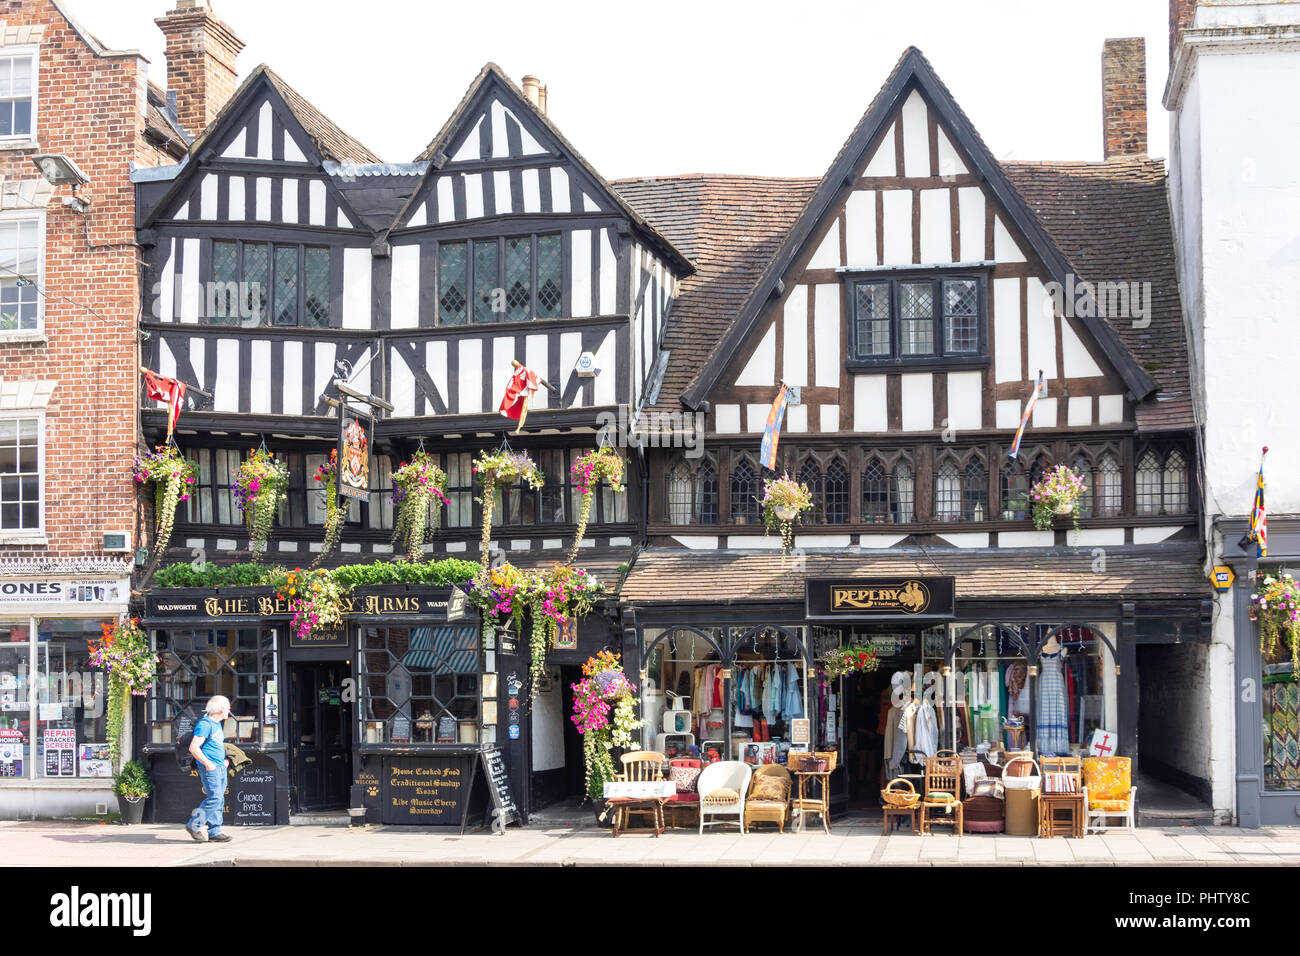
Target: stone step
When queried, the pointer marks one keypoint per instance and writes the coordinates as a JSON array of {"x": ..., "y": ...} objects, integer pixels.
[
  {"x": 332, "y": 818},
  {"x": 1180, "y": 817}
]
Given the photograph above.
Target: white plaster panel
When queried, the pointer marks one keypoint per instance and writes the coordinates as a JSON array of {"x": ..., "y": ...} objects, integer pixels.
[
  {"x": 828, "y": 349},
  {"x": 190, "y": 286},
  {"x": 1079, "y": 410},
  {"x": 879, "y": 540},
  {"x": 1078, "y": 361},
  {"x": 1110, "y": 409},
  {"x": 794, "y": 361},
  {"x": 470, "y": 380},
  {"x": 608, "y": 275},
  {"x": 503, "y": 350},
  {"x": 860, "y": 234},
  {"x": 291, "y": 383},
  {"x": 259, "y": 378},
  {"x": 263, "y": 201},
  {"x": 208, "y": 196},
  {"x": 316, "y": 202},
  {"x": 761, "y": 367},
  {"x": 580, "y": 243},
  {"x": 570, "y": 349},
  {"x": 559, "y": 189},
  {"x": 898, "y": 227},
  {"x": 606, "y": 381},
  {"x": 1006, "y": 330},
  {"x": 1007, "y": 414},
  {"x": 916, "y": 137},
  {"x": 823, "y": 540},
  {"x": 1153, "y": 535},
  {"x": 167, "y": 285},
  {"x": 237, "y": 148},
  {"x": 1026, "y": 539},
  {"x": 756, "y": 417},
  {"x": 796, "y": 418},
  {"x": 356, "y": 288},
  {"x": 1004, "y": 247},
  {"x": 419, "y": 216},
  {"x": 264, "y": 132},
  {"x": 501, "y": 194},
  {"x": 726, "y": 420},
  {"x": 535, "y": 347},
  {"x": 405, "y": 287},
  {"x": 830, "y": 418},
  {"x": 532, "y": 190},
  {"x": 950, "y": 161},
  {"x": 1094, "y": 537},
  {"x": 1044, "y": 413},
  {"x": 292, "y": 153},
  {"x": 500, "y": 144},
  {"x": 870, "y": 408},
  {"x": 1042, "y": 331},
  {"x": 225, "y": 392},
  {"x": 435, "y": 363},
  {"x": 289, "y": 201},
  {"x": 936, "y": 226},
  {"x": 470, "y": 148},
  {"x": 754, "y": 542},
  {"x": 473, "y": 196},
  {"x": 827, "y": 255},
  {"x": 697, "y": 542},
  {"x": 971, "y": 539},
  {"x": 970, "y": 222},
  {"x": 918, "y": 401},
  {"x": 966, "y": 400},
  {"x": 883, "y": 161},
  {"x": 446, "y": 199},
  {"x": 236, "y": 211}
]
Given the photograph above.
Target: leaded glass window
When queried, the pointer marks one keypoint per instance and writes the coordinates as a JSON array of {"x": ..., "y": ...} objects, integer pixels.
[
  {"x": 460, "y": 489},
  {"x": 903, "y": 506},
  {"x": 947, "y": 492},
  {"x": 916, "y": 309},
  {"x": 555, "y": 470},
  {"x": 961, "y": 316},
  {"x": 257, "y": 283},
  {"x": 485, "y": 282},
  {"x": 196, "y": 664},
  {"x": 875, "y": 494},
  {"x": 223, "y": 300},
  {"x": 1149, "y": 491},
  {"x": 837, "y": 493},
  {"x": 872, "y": 317},
  {"x": 519, "y": 279},
  {"x": 411, "y": 677},
  {"x": 453, "y": 283},
  {"x": 1082, "y": 467},
  {"x": 680, "y": 495},
  {"x": 975, "y": 493},
  {"x": 1110, "y": 487},
  {"x": 1175, "y": 490},
  {"x": 811, "y": 476},
  {"x": 286, "y": 285},
  {"x": 706, "y": 494},
  {"x": 316, "y": 288},
  {"x": 1015, "y": 492},
  {"x": 550, "y": 277},
  {"x": 744, "y": 505}
]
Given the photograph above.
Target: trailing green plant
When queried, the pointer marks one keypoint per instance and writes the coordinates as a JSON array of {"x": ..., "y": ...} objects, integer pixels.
[
  {"x": 132, "y": 781},
  {"x": 502, "y": 595},
  {"x": 244, "y": 575},
  {"x": 327, "y": 475},
  {"x": 1275, "y": 604},
  {"x": 1057, "y": 492},
  {"x": 316, "y": 600},
  {"x": 450, "y": 572},
  {"x": 172, "y": 475},
  {"x": 261, "y": 486},
  {"x": 783, "y": 501},
  {"x": 555, "y": 596},
  {"x": 587, "y": 471},
  {"x": 123, "y": 650},
  {"x": 418, "y": 486},
  {"x": 499, "y": 469}
]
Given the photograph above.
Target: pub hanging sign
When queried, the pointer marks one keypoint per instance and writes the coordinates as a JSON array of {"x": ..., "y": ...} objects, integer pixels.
[
  {"x": 880, "y": 599},
  {"x": 355, "y": 429}
]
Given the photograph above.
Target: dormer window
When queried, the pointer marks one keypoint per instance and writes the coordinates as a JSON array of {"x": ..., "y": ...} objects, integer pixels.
[{"x": 905, "y": 319}]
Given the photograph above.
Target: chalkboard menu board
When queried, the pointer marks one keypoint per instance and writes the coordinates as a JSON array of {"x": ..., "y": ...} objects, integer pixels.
[
  {"x": 425, "y": 791},
  {"x": 250, "y": 797},
  {"x": 504, "y": 810}
]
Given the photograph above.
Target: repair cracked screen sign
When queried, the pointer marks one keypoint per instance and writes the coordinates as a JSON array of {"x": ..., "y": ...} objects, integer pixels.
[{"x": 354, "y": 455}]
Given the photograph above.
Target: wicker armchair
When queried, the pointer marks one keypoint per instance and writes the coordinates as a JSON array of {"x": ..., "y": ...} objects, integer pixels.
[{"x": 765, "y": 809}]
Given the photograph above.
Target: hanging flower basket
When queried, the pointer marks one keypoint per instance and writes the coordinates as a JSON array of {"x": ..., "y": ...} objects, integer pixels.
[
  {"x": 853, "y": 659},
  {"x": 588, "y": 470},
  {"x": 1056, "y": 493},
  {"x": 783, "y": 501},
  {"x": 500, "y": 469},
  {"x": 1275, "y": 605},
  {"x": 605, "y": 722},
  {"x": 419, "y": 486},
  {"x": 316, "y": 600},
  {"x": 555, "y": 596},
  {"x": 327, "y": 476},
  {"x": 123, "y": 650},
  {"x": 172, "y": 476},
  {"x": 261, "y": 486},
  {"x": 501, "y": 594}
]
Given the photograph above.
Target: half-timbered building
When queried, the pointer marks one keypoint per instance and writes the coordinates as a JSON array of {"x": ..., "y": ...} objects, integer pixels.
[{"x": 913, "y": 295}]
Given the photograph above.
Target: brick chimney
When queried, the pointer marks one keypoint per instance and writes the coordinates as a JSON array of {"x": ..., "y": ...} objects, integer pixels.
[
  {"x": 1124, "y": 97},
  {"x": 1182, "y": 13},
  {"x": 201, "y": 53}
]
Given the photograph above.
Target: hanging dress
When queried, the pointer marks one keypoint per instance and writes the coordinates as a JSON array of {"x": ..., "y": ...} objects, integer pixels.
[{"x": 1053, "y": 727}]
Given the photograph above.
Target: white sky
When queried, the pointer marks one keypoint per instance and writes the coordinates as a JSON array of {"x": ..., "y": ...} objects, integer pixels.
[{"x": 678, "y": 87}]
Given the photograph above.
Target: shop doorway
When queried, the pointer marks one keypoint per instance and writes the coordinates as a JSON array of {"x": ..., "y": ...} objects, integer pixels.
[
  {"x": 556, "y": 756},
  {"x": 320, "y": 734}
]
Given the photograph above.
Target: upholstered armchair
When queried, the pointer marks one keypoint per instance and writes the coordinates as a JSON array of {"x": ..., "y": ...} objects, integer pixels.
[
  {"x": 769, "y": 797},
  {"x": 1108, "y": 791}
]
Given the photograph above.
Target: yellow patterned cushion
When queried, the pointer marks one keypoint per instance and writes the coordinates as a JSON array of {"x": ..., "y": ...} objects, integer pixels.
[
  {"x": 722, "y": 797},
  {"x": 1118, "y": 806},
  {"x": 1107, "y": 778}
]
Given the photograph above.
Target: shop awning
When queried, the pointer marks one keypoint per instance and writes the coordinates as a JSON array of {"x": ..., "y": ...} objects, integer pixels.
[
  {"x": 443, "y": 649},
  {"x": 677, "y": 575}
]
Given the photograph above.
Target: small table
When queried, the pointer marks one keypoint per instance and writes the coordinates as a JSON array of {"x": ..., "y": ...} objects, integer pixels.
[
  {"x": 803, "y": 804},
  {"x": 620, "y": 804},
  {"x": 908, "y": 812},
  {"x": 1060, "y": 814}
]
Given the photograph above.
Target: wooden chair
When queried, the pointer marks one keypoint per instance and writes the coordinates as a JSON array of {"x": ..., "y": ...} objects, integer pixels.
[
  {"x": 642, "y": 765},
  {"x": 765, "y": 809},
  {"x": 942, "y": 794},
  {"x": 1060, "y": 805}
]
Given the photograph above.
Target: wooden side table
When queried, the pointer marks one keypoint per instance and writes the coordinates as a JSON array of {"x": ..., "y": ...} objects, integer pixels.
[
  {"x": 620, "y": 804},
  {"x": 1060, "y": 814},
  {"x": 894, "y": 813},
  {"x": 803, "y": 804}
]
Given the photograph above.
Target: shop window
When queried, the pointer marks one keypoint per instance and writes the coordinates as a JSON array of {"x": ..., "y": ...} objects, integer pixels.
[
  {"x": 417, "y": 683},
  {"x": 197, "y": 664},
  {"x": 744, "y": 490},
  {"x": 1110, "y": 487},
  {"x": 692, "y": 494},
  {"x": 1281, "y": 700},
  {"x": 70, "y": 700},
  {"x": 15, "y": 701},
  {"x": 21, "y": 479}
]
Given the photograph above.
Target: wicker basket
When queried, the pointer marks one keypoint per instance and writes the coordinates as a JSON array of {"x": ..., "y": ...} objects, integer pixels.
[
  {"x": 897, "y": 796},
  {"x": 830, "y": 756}
]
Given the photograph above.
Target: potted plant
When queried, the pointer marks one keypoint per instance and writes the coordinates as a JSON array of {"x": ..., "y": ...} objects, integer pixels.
[
  {"x": 1275, "y": 605},
  {"x": 1056, "y": 493},
  {"x": 853, "y": 659},
  {"x": 784, "y": 499},
  {"x": 500, "y": 469},
  {"x": 604, "y": 711},
  {"x": 123, "y": 650},
  {"x": 132, "y": 786},
  {"x": 588, "y": 470},
  {"x": 418, "y": 486},
  {"x": 261, "y": 486},
  {"x": 172, "y": 475}
]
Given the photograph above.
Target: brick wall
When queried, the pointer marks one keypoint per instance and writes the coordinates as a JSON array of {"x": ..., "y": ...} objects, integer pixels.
[
  {"x": 90, "y": 108},
  {"x": 201, "y": 52},
  {"x": 1124, "y": 97},
  {"x": 1181, "y": 15}
]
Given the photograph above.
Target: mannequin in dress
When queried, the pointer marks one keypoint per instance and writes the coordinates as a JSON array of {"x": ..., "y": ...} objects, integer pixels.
[{"x": 1053, "y": 726}]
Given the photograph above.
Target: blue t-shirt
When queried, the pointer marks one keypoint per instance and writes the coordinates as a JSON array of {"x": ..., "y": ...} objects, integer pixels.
[{"x": 214, "y": 744}]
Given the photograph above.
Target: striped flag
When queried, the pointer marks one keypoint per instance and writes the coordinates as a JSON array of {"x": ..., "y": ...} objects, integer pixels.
[
  {"x": 772, "y": 430},
  {"x": 1024, "y": 419},
  {"x": 1258, "y": 532}
]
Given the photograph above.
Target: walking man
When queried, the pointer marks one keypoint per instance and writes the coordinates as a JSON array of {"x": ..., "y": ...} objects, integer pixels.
[{"x": 208, "y": 748}]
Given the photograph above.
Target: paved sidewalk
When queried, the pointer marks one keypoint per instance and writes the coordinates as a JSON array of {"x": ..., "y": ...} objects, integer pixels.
[{"x": 566, "y": 839}]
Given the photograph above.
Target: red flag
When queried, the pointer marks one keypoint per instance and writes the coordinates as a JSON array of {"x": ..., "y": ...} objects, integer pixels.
[
  {"x": 523, "y": 382},
  {"x": 167, "y": 390}
]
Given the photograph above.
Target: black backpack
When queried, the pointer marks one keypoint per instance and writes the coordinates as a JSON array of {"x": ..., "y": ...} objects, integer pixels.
[{"x": 184, "y": 759}]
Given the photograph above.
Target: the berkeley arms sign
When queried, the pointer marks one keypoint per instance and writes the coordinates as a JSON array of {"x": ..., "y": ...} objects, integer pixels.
[
  {"x": 437, "y": 603},
  {"x": 875, "y": 599}
]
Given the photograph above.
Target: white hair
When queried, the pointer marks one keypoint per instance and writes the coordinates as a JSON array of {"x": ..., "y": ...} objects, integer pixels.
[{"x": 217, "y": 704}]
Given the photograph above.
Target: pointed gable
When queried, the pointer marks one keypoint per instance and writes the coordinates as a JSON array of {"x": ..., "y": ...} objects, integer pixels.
[{"x": 914, "y": 188}]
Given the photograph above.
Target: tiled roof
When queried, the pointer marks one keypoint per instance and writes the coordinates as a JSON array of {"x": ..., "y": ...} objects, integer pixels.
[
  {"x": 159, "y": 121},
  {"x": 332, "y": 142},
  {"x": 606, "y": 564},
  {"x": 729, "y": 226},
  {"x": 1112, "y": 221},
  {"x": 675, "y": 575}
]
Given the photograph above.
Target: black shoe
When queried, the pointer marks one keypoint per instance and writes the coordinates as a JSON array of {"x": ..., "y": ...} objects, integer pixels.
[
  {"x": 198, "y": 836},
  {"x": 219, "y": 838}
]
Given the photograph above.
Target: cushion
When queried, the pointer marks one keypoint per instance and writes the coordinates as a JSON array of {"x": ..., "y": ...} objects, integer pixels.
[
  {"x": 972, "y": 772},
  {"x": 987, "y": 788},
  {"x": 1117, "y": 806},
  {"x": 680, "y": 797},
  {"x": 1107, "y": 778},
  {"x": 769, "y": 787},
  {"x": 723, "y": 796},
  {"x": 684, "y": 777},
  {"x": 939, "y": 796}
]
